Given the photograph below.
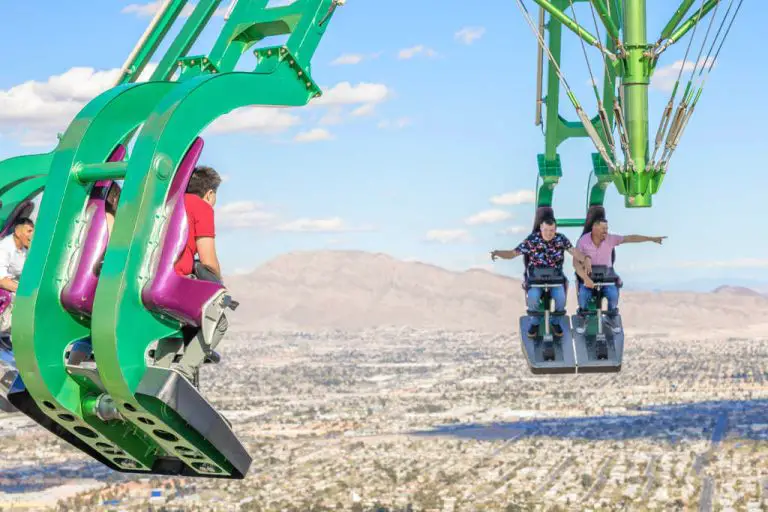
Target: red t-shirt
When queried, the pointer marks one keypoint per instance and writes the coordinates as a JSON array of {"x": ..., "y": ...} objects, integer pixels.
[{"x": 200, "y": 220}]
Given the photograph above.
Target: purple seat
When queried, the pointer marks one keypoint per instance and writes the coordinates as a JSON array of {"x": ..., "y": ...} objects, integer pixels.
[
  {"x": 167, "y": 292},
  {"x": 78, "y": 294},
  {"x": 6, "y": 298}
]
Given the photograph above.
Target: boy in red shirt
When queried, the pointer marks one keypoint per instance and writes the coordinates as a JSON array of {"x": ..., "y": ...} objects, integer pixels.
[{"x": 199, "y": 200}]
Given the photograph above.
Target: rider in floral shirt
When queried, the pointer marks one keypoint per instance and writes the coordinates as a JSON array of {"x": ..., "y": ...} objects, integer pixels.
[{"x": 544, "y": 248}]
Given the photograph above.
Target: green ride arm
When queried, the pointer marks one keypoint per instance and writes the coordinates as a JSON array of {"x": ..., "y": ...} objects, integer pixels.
[
  {"x": 672, "y": 24},
  {"x": 42, "y": 328},
  {"x": 281, "y": 78},
  {"x": 690, "y": 22},
  {"x": 165, "y": 117},
  {"x": 147, "y": 45},
  {"x": 607, "y": 19},
  {"x": 567, "y": 21},
  {"x": 189, "y": 33},
  {"x": 21, "y": 178}
]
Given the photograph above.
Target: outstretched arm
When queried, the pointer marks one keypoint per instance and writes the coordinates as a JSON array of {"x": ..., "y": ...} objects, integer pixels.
[
  {"x": 505, "y": 255},
  {"x": 634, "y": 239}
]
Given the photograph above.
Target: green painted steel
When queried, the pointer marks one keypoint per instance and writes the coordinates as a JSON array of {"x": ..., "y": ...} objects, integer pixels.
[
  {"x": 693, "y": 20},
  {"x": 672, "y": 24},
  {"x": 570, "y": 223},
  {"x": 637, "y": 77},
  {"x": 21, "y": 179},
  {"x": 629, "y": 62},
  {"x": 164, "y": 117},
  {"x": 42, "y": 329},
  {"x": 559, "y": 130},
  {"x": 557, "y": 12}
]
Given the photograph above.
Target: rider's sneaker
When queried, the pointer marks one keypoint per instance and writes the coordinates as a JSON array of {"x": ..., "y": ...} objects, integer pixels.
[
  {"x": 557, "y": 330},
  {"x": 610, "y": 321},
  {"x": 533, "y": 331}
]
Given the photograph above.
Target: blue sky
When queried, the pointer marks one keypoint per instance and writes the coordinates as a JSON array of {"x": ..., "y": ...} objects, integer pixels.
[{"x": 421, "y": 128}]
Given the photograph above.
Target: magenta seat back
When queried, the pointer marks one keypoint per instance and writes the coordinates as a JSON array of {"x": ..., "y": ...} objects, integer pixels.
[
  {"x": 6, "y": 298},
  {"x": 167, "y": 292},
  {"x": 78, "y": 294}
]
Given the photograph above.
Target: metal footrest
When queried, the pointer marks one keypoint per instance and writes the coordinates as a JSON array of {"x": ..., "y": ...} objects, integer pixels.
[{"x": 188, "y": 427}]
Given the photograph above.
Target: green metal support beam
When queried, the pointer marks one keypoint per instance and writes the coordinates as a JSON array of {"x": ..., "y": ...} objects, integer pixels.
[
  {"x": 692, "y": 21},
  {"x": 607, "y": 19},
  {"x": 679, "y": 14},
  {"x": 557, "y": 12}
]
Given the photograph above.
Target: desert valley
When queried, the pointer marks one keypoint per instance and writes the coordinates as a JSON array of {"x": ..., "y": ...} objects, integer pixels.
[{"x": 361, "y": 382}]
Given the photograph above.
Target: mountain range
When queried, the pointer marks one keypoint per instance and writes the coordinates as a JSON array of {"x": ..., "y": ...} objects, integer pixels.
[{"x": 353, "y": 290}]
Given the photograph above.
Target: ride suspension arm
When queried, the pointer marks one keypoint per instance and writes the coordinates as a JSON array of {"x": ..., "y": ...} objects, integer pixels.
[
  {"x": 146, "y": 434},
  {"x": 629, "y": 61}
]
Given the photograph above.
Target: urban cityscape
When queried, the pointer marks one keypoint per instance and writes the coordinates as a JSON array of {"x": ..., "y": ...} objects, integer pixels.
[{"x": 413, "y": 419}]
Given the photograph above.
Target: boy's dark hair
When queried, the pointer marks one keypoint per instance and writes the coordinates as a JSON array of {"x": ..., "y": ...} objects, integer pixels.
[
  {"x": 549, "y": 221},
  {"x": 202, "y": 180},
  {"x": 23, "y": 221}
]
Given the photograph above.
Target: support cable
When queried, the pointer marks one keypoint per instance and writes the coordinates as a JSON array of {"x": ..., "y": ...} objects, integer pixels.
[
  {"x": 695, "y": 96},
  {"x": 569, "y": 92},
  {"x": 665, "y": 118}
]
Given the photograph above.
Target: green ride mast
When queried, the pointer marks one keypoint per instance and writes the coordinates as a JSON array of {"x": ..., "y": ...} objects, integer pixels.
[{"x": 629, "y": 61}]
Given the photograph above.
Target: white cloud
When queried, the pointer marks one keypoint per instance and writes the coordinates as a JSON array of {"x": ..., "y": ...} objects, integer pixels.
[
  {"x": 468, "y": 34},
  {"x": 333, "y": 116},
  {"x": 664, "y": 77},
  {"x": 254, "y": 119},
  {"x": 33, "y": 112},
  {"x": 364, "y": 110},
  {"x": 329, "y": 225},
  {"x": 515, "y": 230},
  {"x": 243, "y": 215},
  {"x": 344, "y": 93},
  {"x": 314, "y": 135},
  {"x": 445, "y": 236},
  {"x": 514, "y": 198},
  {"x": 488, "y": 217},
  {"x": 409, "y": 53},
  {"x": 394, "y": 124},
  {"x": 348, "y": 59},
  {"x": 149, "y": 9}
]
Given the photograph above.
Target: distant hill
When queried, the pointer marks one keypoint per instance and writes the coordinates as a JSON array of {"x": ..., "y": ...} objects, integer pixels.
[
  {"x": 354, "y": 289},
  {"x": 737, "y": 290}
]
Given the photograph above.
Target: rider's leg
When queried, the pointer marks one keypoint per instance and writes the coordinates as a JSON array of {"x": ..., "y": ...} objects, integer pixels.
[
  {"x": 558, "y": 295},
  {"x": 584, "y": 295},
  {"x": 534, "y": 297},
  {"x": 612, "y": 294}
]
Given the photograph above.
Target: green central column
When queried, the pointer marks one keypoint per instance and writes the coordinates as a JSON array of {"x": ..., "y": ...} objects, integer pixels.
[{"x": 635, "y": 87}]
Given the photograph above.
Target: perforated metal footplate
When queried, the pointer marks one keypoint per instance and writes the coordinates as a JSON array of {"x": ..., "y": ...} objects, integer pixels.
[
  {"x": 564, "y": 360},
  {"x": 179, "y": 395},
  {"x": 588, "y": 347}
]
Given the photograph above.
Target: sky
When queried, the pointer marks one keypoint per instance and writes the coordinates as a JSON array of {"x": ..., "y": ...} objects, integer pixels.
[{"x": 424, "y": 145}]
